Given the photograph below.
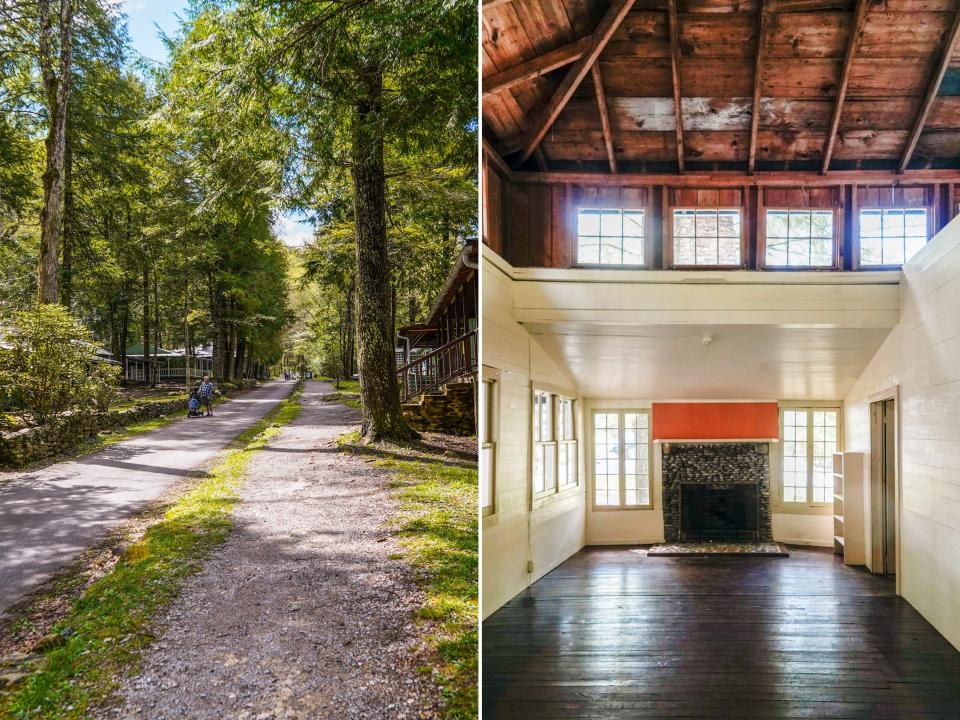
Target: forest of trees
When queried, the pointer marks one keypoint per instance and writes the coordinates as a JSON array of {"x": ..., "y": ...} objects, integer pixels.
[{"x": 142, "y": 198}]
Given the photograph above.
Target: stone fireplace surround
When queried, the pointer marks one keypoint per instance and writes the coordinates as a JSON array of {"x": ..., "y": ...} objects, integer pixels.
[{"x": 718, "y": 464}]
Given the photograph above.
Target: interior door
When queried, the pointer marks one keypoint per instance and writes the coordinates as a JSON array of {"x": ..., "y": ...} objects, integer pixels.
[
  {"x": 883, "y": 482},
  {"x": 889, "y": 489}
]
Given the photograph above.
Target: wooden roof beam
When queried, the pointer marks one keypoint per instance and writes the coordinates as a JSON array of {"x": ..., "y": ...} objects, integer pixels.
[
  {"x": 674, "y": 26},
  {"x": 949, "y": 47},
  {"x": 859, "y": 16},
  {"x": 766, "y": 11},
  {"x": 726, "y": 179},
  {"x": 535, "y": 67},
  {"x": 608, "y": 26},
  {"x": 604, "y": 116}
]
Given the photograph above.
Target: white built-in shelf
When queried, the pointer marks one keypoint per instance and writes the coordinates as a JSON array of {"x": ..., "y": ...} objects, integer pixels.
[{"x": 848, "y": 532}]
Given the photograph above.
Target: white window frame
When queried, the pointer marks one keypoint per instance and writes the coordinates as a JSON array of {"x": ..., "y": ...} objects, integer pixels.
[
  {"x": 554, "y": 485},
  {"x": 832, "y": 263},
  {"x": 809, "y": 410},
  {"x": 549, "y": 446},
  {"x": 928, "y": 219},
  {"x": 717, "y": 210},
  {"x": 600, "y": 238},
  {"x": 567, "y": 446},
  {"x": 620, "y": 412},
  {"x": 488, "y": 437}
]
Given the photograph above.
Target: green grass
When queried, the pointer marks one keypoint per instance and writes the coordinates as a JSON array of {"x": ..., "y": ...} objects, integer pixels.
[
  {"x": 109, "y": 626},
  {"x": 437, "y": 529},
  {"x": 347, "y": 394}
]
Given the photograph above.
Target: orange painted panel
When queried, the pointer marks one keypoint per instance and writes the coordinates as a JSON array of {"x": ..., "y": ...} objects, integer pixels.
[{"x": 715, "y": 421}]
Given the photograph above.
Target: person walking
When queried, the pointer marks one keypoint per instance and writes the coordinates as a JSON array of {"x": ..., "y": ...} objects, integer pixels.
[{"x": 206, "y": 395}]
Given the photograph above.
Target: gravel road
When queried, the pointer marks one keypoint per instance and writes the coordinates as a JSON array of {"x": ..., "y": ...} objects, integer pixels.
[
  {"x": 302, "y": 613},
  {"x": 48, "y": 517}
]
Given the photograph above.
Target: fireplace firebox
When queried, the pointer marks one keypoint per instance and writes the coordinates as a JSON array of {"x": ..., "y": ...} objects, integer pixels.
[{"x": 722, "y": 513}]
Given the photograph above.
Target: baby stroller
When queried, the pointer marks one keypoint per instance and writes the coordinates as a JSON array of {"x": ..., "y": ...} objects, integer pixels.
[{"x": 193, "y": 404}]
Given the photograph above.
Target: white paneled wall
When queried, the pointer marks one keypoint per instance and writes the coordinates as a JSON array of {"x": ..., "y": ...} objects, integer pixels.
[
  {"x": 517, "y": 533},
  {"x": 922, "y": 357}
]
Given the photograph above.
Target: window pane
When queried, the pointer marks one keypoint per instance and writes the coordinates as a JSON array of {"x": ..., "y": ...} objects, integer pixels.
[
  {"x": 588, "y": 250},
  {"x": 538, "y": 468},
  {"x": 891, "y": 236},
  {"x": 706, "y": 237},
  {"x": 606, "y": 429},
  {"x": 683, "y": 251},
  {"x": 799, "y": 238},
  {"x": 776, "y": 224},
  {"x": 632, "y": 223},
  {"x": 795, "y": 455},
  {"x": 486, "y": 476},
  {"x": 824, "y": 446},
  {"x": 610, "y": 237},
  {"x": 636, "y": 462}
]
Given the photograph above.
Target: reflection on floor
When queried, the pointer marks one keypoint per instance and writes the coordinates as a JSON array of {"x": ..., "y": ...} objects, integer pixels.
[{"x": 614, "y": 634}]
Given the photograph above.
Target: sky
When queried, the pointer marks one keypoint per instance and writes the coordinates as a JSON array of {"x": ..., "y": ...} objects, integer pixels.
[{"x": 147, "y": 20}]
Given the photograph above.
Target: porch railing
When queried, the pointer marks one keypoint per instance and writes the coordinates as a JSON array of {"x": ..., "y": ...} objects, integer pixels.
[{"x": 433, "y": 370}]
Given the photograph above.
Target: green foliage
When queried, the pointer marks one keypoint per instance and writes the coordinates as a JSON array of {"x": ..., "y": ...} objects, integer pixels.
[
  {"x": 437, "y": 527},
  {"x": 108, "y": 628},
  {"x": 103, "y": 385},
  {"x": 44, "y": 361}
]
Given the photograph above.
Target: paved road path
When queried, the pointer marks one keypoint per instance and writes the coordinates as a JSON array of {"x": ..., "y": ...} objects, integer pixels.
[{"x": 48, "y": 517}]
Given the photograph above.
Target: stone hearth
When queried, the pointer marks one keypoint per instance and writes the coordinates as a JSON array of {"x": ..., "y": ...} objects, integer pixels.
[{"x": 720, "y": 465}]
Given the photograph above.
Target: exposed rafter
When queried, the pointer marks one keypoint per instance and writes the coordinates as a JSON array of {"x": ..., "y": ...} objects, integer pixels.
[
  {"x": 856, "y": 29},
  {"x": 608, "y": 26},
  {"x": 496, "y": 159},
  {"x": 490, "y": 4},
  {"x": 541, "y": 159},
  {"x": 766, "y": 12},
  {"x": 948, "y": 49},
  {"x": 535, "y": 67},
  {"x": 604, "y": 116},
  {"x": 723, "y": 179},
  {"x": 675, "y": 73}
]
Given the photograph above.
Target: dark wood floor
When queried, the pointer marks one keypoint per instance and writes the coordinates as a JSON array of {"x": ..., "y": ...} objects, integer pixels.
[{"x": 614, "y": 634}]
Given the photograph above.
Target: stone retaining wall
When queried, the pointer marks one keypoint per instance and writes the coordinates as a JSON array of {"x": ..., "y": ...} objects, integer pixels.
[
  {"x": 28, "y": 445},
  {"x": 451, "y": 412}
]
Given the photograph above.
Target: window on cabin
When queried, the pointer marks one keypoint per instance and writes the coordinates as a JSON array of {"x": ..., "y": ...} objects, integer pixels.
[
  {"x": 488, "y": 445},
  {"x": 799, "y": 238},
  {"x": 891, "y": 236},
  {"x": 621, "y": 467},
  {"x": 706, "y": 237},
  {"x": 810, "y": 437},
  {"x": 609, "y": 237}
]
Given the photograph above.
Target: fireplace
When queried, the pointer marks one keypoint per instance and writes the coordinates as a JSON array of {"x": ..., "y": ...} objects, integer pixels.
[
  {"x": 717, "y": 491},
  {"x": 724, "y": 513}
]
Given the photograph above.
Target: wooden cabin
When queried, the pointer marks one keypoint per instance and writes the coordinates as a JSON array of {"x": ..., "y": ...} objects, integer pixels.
[
  {"x": 721, "y": 303},
  {"x": 444, "y": 348}
]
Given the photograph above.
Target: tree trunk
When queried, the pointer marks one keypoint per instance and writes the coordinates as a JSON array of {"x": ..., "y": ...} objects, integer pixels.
[
  {"x": 231, "y": 343},
  {"x": 66, "y": 270},
  {"x": 351, "y": 341},
  {"x": 238, "y": 361},
  {"x": 146, "y": 325},
  {"x": 56, "y": 84},
  {"x": 156, "y": 329},
  {"x": 382, "y": 415}
]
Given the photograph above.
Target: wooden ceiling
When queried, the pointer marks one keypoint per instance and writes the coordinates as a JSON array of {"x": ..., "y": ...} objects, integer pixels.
[{"x": 811, "y": 85}]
